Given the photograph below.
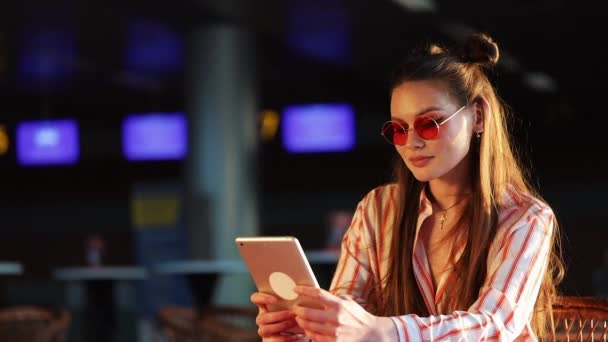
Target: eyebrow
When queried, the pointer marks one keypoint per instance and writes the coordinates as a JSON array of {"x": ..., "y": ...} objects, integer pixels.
[{"x": 423, "y": 111}]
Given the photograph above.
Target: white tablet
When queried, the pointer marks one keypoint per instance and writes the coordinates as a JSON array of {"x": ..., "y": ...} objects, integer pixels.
[{"x": 277, "y": 264}]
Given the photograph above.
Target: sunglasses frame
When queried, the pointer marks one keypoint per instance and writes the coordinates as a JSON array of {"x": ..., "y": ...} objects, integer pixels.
[{"x": 437, "y": 124}]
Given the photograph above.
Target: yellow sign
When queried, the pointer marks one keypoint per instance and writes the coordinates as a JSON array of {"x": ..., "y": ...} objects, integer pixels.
[
  {"x": 270, "y": 124},
  {"x": 155, "y": 210},
  {"x": 4, "y": 141}
]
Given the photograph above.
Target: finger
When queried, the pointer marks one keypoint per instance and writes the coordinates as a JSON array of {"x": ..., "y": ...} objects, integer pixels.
[
  {"x": 274, "y": 317},
  {"x": 283, "y": 338},
  {"x": 316, "y": 327},
  {"x": 297, "y": 330},
  {"x": 322, "y": 296},
  {"x": 319, "y": 337},
  {"x": 262, "y": 300},
  {"x": 311, "y": 314},
  {"x": 262, "y": 308},
  {"x": 269, "y": 330},
  {"x": 258, "y": 298}
]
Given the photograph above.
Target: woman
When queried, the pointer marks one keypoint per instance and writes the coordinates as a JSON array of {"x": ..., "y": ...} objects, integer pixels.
[{"x": 460, "y": 248}]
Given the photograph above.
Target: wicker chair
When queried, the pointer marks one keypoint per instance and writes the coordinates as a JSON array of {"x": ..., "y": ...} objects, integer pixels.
[
  {"x": 228, "y": 324},
  {"x": 216, "y": 323},
  {"x": 33, "y": 324},
  {"x": 177, "y": 324},
  {"x": 580, "y": 319}
]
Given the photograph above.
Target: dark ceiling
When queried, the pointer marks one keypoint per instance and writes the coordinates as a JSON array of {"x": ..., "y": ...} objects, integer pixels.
[
  {"x": 561, "y": 39},
  {"x": 551, "y": 65}
]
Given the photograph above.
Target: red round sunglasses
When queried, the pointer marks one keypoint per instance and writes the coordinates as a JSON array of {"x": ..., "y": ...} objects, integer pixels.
[{"x": 425, "y": 126}]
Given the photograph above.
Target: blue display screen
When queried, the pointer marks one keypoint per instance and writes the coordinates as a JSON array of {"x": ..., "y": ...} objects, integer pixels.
[
  {"x": 155, "y": 136},
  {"x": 50, "y": 142},
  {"x": 314, "y": 128}
]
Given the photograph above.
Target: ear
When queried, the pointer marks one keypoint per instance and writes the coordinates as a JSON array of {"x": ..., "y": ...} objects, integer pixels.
[{"x": 481, "y": 109}]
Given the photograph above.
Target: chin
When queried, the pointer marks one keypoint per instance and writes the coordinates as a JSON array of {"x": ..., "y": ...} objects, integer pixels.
[
  {"x": 427, "y": 174},
  {"x": 423, "y": 179},
  {"x": 422, "y": 175}
]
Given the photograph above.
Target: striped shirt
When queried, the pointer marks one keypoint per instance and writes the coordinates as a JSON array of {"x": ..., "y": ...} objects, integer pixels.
[{"x": 517, "y": 260}]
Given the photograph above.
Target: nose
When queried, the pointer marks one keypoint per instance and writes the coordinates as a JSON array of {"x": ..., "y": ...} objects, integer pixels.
[{"x": 414, "y": 141}]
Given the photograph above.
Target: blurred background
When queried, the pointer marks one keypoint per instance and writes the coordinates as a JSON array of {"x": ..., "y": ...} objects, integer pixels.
[{"x": 138, "y": 138}]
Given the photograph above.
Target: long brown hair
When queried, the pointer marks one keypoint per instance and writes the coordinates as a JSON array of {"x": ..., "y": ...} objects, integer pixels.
[{"x": 494, "y": 168}]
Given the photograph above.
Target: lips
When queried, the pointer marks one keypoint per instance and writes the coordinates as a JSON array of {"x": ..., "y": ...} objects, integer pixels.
[{"x": 420, "y": 161}]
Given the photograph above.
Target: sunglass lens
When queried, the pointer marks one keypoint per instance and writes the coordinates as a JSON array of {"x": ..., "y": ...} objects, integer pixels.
[
  {"x": 426, "y": 127},
  {"x": 394, "y": 133}
]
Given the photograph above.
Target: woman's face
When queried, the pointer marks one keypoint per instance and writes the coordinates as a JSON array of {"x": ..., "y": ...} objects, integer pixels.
[{"x": 443, "y": 157}]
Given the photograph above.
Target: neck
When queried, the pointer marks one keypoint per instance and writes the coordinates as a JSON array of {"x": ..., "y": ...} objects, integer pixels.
[
  {"x": 453, "y": 186},
  {"x": 446, "y": 194}
]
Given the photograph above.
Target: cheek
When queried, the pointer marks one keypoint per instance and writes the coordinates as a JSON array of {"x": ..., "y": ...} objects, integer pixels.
[
  {"x": 457, "y": 149},
  {"x": 402, "y": 152},
  {"x": 401, "y": 155},
  {"x": 460, "y": 131},
  {"x": 458, "y": 138},
  {"x": 461, "y": 141}
]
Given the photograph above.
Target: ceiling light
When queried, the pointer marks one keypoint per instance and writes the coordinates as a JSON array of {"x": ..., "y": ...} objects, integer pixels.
[
  {"x": 418, "y": 5},
  {"x": 540, "y": 81}
]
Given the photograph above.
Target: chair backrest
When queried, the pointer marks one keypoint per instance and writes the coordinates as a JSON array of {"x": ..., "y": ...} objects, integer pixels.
[
  {"x": 214, "y": 323},
  {"x": 229, "y": 324},
  {"x": 33, "y": 324},
  {"x": 580, "y": 319},
  {"x": 177, "y": 324}
]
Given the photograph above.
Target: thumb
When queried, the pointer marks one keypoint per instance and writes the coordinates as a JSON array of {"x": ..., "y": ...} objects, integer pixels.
[{"x": 262, "y": 308}]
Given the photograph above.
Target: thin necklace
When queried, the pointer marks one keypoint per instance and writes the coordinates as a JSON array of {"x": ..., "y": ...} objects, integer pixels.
[{"x": 442, "y": 219}]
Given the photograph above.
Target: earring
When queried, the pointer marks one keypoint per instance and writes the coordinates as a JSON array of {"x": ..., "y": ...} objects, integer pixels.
[{"x": 478, "y": 135}]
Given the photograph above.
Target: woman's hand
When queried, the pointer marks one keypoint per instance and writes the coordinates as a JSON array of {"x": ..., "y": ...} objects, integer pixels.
[
  {"x": 273, "y": 325},
  {"x": 342, "y": 319}
]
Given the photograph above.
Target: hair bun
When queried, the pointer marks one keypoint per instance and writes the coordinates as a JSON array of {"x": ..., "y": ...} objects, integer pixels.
[
  {"x": 480, "y": 49},
  {"x": 435, "y": 49}
]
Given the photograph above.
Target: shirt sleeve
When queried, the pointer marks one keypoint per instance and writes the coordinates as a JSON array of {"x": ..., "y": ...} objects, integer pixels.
[
  {"x": 507, "y": 298},
  {"x": 354, "y": 272}
]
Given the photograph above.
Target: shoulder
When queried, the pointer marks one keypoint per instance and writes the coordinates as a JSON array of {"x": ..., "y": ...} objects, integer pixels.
[
  {"x": 521, "y": 209},
  {"x": 378, "y": 204},
  {"x": 373, "y": 220},
  {"x": 381, "y": 195}
]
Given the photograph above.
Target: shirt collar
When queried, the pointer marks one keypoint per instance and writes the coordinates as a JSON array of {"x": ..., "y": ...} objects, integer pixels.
[
  {"x": 425, "y": 202},
  {"x": 425, "y": 210}
]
